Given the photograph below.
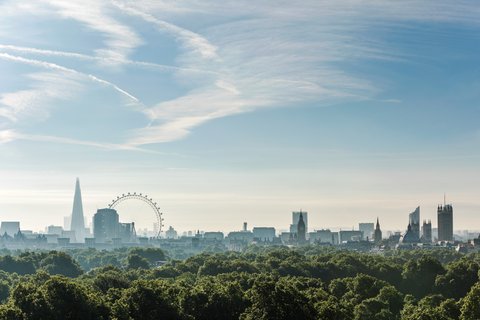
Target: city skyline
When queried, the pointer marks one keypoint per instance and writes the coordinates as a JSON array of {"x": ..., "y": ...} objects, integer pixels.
[
  {"x": 139, "y": 214},
  {"x": 228, "y": 112}
]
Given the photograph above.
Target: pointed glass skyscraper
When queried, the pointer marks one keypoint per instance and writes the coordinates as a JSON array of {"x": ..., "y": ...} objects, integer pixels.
[{"x": 78, "y": 223}]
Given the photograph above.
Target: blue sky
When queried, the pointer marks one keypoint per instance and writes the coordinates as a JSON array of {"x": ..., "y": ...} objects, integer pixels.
[{"x": 230, "y": 111}]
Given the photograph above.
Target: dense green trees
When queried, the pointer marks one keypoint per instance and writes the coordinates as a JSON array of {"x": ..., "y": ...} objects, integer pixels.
[{"x": 260, "y": 283}]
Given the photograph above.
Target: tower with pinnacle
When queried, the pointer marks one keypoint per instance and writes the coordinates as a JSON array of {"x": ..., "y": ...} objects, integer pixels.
[
  {"x": 301, "y": 230},
  {"x": 78, "y": 222},
  {"x": 378, "y": 233}
]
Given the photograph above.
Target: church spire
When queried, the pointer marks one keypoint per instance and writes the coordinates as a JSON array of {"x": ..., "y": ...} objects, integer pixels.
[
  {"x": 378, "y": 233},
  {"x": 78, "y": 222}
]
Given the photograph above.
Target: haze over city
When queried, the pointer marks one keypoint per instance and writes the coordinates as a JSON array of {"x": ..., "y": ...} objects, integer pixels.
[{"x": 231, "y": 112}]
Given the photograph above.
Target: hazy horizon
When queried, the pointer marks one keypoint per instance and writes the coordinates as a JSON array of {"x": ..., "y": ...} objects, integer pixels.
[{"x": 231, "y": 112}]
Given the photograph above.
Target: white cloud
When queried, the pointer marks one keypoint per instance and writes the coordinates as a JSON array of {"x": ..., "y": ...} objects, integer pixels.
[
  {"x": 191, "y": 40},
  {"x": 271, "y": 55},
  {"x": 121, "y": 40},
  {"x": 253, "y": 55},
  {"x": 56, "y": 67},
  {"x": 102, "y": 60},
  {"x": 31, "y": 103}
]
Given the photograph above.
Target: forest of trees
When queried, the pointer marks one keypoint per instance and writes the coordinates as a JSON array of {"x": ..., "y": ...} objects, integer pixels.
[{"x": 260, "y": 283}]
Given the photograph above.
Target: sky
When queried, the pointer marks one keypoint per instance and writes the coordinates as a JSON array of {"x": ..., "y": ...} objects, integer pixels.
[{"x": 233, "y": 111}]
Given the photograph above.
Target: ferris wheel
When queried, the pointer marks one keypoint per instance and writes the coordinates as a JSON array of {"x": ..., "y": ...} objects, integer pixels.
[{"x": 142, "y": 197}]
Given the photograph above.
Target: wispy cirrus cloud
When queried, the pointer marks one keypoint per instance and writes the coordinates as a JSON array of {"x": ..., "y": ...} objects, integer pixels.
[
  {"x": 191, "y": 41},
  {"x": 56, "y": 67},
  {"x": 103, "y": 60},
  {"x": 7, "y": 136},
  {"x": 281, "y": 55},
  {"x": 249, "y": 56},
  {"x": 46, "y": 87},
  {"x": 120, "y": 41}
]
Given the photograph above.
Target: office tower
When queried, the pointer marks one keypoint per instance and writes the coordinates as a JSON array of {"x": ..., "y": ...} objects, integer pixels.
[
  {"x": 263, "y": 234},
  {"x": 378, "y": 233},
  {"x": 301, "y": 229},
  {"x": 105, "y": 225},
  {"x": 350, "y": 235},
  {"x": 11, "y": 228},
  {"x": 367, "y": 229},
  {"x": 78, "y": 222},
  {"x": 445, "y": 222},
  {"x": 296, "y": 217},
  {"x": 414, "y": 221},
  {"x": 427, "y": 231},
  {"x": 54, "y": 230}
]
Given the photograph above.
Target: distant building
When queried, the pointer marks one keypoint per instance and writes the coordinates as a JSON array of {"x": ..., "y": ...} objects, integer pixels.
[
  {"x": 264, "y": 234},
  {"x": 350, "y": 235},
  {"x": 67, "y": 221},
  {"x": 321, "y": 236},
  {"x": 105, "y": 225},
  {"x": 78, "y": 221},
  {"x": 127, "y": 233},
  {"x": 54, "y": 230},
  {"x": 445, "y": 222},
  {"x": 286, "y": 237},
  {"x": 378, "y": 233},
  {"x": 367, "y": 229},
  {"x": 68, "y": 234},
  {"x": 296, "y": 218},
  {"x": 410, "y": 236},
  {"x": 414, "y": 221},
  {"x": 213, "y": 236},
  {"x": 11, "y": 228},
  {"x": 171, "y": 233},
  {"x": 301, "y": 229},
  {"x": 336, "y": 237},
  {"x": 240, "y": 236},
  {"x": 427, "y": 231}
]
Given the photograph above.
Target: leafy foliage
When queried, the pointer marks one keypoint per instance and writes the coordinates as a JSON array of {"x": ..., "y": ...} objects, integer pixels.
[{"x": 261, "y": 283}]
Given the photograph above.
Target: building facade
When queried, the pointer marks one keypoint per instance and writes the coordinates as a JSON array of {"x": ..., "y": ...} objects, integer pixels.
[
  {"x": 77, "y": 221},
  {"x": 445, "y": 222},
  {"x": 264, "y": 234},
  {"x": 378, "y": 233},
  {"x": 11, "y": 228},
  {"x": 301, "y": 230},
  {"x": 367, "y": 229},
  {"x": 427, "y": 232},
  {"x": 296, "y": 218},
  {"x": 414, "y": 221},
  {"x": 105, "y": 225}
]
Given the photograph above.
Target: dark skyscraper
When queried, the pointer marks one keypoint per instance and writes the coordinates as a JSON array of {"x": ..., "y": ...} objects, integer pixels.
[
  {"x": 105, "y": 225},
  {"x": 378, "y": 233},
  {"x": 445, "y": 222},
  {"x": 301, "y": 229},
  {"x": 77, "y": 221},
  {"x": 414, "y": 221},
  {"x": 427, "y": 232}
]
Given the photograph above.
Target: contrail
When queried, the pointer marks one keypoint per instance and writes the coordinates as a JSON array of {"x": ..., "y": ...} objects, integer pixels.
[
  {"x": 81, "y": 56},
  {"x": 53, "y": 66},
  {"x": 192, "y": 39}
]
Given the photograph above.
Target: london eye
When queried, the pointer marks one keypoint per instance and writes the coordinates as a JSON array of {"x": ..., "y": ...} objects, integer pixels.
[{"x": 146, "y": 199}]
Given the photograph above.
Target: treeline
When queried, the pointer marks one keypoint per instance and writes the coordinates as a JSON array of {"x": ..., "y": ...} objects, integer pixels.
[{"x": 260, "y": 283}]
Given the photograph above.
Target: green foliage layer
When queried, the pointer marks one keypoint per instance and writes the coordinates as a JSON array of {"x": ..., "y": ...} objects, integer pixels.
[{"x": 260, "y": 283}]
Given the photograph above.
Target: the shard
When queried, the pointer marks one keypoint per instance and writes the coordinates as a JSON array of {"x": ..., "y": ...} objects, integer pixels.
[{"x": 78, "y": 223}]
